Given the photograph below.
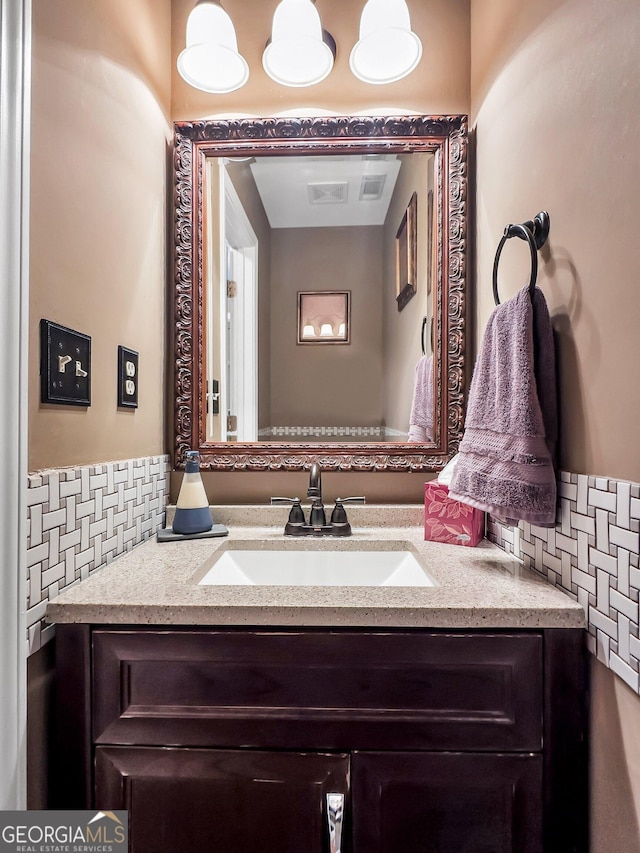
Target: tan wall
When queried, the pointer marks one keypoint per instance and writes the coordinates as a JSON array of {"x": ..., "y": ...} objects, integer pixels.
[
  {"x": 439, "y": 85},
  {"x": 554, "y": 103},
  {"x": 327, "y": 385},
  {"x": 615, "y": 764},
  {"x": 99, "y": 167},
  {"x": 402, "y": 329}
]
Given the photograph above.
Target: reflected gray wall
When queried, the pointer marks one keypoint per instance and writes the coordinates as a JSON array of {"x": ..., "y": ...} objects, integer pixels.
[{"x": 327, "y": 385}]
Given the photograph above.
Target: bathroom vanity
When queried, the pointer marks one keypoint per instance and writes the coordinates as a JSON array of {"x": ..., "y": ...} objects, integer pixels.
[{"x": 443, "y": 718}]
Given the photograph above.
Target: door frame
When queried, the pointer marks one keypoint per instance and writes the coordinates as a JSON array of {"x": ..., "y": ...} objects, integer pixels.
[
  {"x": 239, "y": 233},
  {"x": 15, "y": 118}
]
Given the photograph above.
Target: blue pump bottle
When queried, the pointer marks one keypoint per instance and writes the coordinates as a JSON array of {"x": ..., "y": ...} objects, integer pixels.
[{"x": 192, "y": 509}]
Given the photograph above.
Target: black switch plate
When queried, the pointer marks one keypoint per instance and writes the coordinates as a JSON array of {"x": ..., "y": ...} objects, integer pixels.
[
  {"x": 65, "y": 365},
  {"x": 128, "y": 378}
]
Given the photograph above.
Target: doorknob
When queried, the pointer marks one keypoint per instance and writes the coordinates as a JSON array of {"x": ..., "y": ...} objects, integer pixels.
[{"x": 335, "y": 815}]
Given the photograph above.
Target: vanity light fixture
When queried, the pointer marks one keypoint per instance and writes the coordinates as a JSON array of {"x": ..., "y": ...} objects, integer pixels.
[
  {"x": 299, "y": 52},
  {"x": 387, "y": 49},
  {"x": 210, "y": 61}
]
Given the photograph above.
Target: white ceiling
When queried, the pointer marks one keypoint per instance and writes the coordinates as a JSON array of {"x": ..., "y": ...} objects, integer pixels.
[{"x": 288, "y": 184}]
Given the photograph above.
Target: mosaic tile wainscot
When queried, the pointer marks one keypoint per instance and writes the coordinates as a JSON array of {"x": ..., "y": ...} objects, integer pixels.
[
  {"x": 592, "y": 554},
  {"x": 80, "y": 519}
]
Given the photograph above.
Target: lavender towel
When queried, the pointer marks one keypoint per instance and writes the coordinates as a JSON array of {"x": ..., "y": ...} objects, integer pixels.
[
  {"x": 507, "y": 454},
  {"x": 421, "y": 419}
]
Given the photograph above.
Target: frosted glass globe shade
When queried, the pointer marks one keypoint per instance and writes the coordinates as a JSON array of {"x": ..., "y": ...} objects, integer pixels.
[
  {"x": 297, "y": 54},
  {"x": 210, "y": 61},
  {"x": 208, "y": 23},
  {"x": 383, "y": 15},
  {"x": 387, "y": 49}
]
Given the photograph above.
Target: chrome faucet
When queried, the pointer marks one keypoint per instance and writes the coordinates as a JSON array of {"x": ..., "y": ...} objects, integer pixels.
[{"x": 317, "y": 526}]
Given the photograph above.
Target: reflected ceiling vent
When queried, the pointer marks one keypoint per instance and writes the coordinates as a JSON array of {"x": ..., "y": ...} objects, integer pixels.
[
  {"x": 328, "y": 192},
  {"x": 371, "y": 187},
  {"x": 378, "y": 157}
]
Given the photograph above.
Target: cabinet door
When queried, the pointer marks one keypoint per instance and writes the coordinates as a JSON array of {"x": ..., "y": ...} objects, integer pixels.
[
  {"x": 220, "y": 801},
  {"x": 446, "y": 803}
]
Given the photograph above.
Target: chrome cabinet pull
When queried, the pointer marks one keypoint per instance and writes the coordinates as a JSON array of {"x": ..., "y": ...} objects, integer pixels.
[{"x": 335, "y": 814}]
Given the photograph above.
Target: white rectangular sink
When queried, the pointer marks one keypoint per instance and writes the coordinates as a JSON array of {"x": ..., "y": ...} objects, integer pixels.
[{"x": 263, "y": 567}]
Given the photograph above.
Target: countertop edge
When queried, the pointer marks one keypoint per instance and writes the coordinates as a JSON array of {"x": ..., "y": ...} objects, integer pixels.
[
  {"x": 475, "y": 588},
  {"x": 318, "y": 616}
]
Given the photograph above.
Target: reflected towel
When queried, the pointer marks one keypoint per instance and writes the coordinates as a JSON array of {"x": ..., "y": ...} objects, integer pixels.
[
  {"x": 507, "y": 453},
  {"x": 421, "y": 419}
]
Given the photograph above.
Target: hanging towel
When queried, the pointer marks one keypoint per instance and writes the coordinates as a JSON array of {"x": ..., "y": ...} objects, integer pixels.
[
  {"x": 507, "y": 453},
  {"x": 421, "y": 419}
]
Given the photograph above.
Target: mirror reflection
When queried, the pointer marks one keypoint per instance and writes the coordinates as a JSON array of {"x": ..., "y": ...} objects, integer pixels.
[{"x": 351, "y": 236}]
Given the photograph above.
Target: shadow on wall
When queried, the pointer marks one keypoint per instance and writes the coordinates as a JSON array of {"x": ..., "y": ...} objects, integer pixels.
[
  {"x": 561, "y": 279},
  {"x": 613, "y": 813}
]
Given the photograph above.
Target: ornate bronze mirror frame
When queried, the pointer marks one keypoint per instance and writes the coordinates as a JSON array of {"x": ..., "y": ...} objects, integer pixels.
[{"x": 446, "y": 138}]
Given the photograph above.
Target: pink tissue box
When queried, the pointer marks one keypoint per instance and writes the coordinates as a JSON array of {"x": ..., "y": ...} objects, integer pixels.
[{"x": 446, "y": 520}]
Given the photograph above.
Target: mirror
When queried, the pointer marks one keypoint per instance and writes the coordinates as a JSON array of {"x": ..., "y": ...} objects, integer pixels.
[{"x": 362, "y": 220}]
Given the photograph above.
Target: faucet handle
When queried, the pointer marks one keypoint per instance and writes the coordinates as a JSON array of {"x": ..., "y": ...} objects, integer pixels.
[
  {"x": 339, "y": 522},
  {"x": 296, "y": 515}
]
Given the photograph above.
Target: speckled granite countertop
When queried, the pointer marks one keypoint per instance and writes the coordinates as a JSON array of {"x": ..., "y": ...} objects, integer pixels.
[{"x": 156, "y": 584}]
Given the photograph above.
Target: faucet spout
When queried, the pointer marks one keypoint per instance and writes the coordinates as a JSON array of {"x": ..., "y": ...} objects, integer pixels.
[{"x": 315, "y": 482}]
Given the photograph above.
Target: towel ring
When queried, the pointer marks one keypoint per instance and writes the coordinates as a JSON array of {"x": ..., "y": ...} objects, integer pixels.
[{"x": 535, "y": 231}]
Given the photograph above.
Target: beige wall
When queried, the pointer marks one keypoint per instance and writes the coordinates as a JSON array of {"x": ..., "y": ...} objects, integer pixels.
[
  {"x": 402, "y": 329},
  {"x": 615, "y": 764},
  {"x": 555, "y": 107},
  {"x": 439, "y": 85},
  {"x": 327, "y": 385},
  {"x": 99, "y": 209}
]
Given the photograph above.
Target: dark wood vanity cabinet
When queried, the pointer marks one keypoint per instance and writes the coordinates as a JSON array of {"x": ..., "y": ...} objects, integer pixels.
[
  {"x": 188, "y": 799},
  {"x": 229, "y": 740}
]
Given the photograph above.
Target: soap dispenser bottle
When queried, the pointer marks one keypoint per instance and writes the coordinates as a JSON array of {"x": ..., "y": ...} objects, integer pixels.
[{"x": 192, "y": 510}]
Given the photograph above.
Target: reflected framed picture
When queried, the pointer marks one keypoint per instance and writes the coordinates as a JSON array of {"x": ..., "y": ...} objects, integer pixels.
[
  {"x": 324, "y": 317},
  {"x": 407, "y": 254}
]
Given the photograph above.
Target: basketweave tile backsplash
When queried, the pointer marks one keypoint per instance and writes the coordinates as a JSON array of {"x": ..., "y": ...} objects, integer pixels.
[
  {"x": 80, "y": 519},
  {"x": 592, "y": 554}
]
